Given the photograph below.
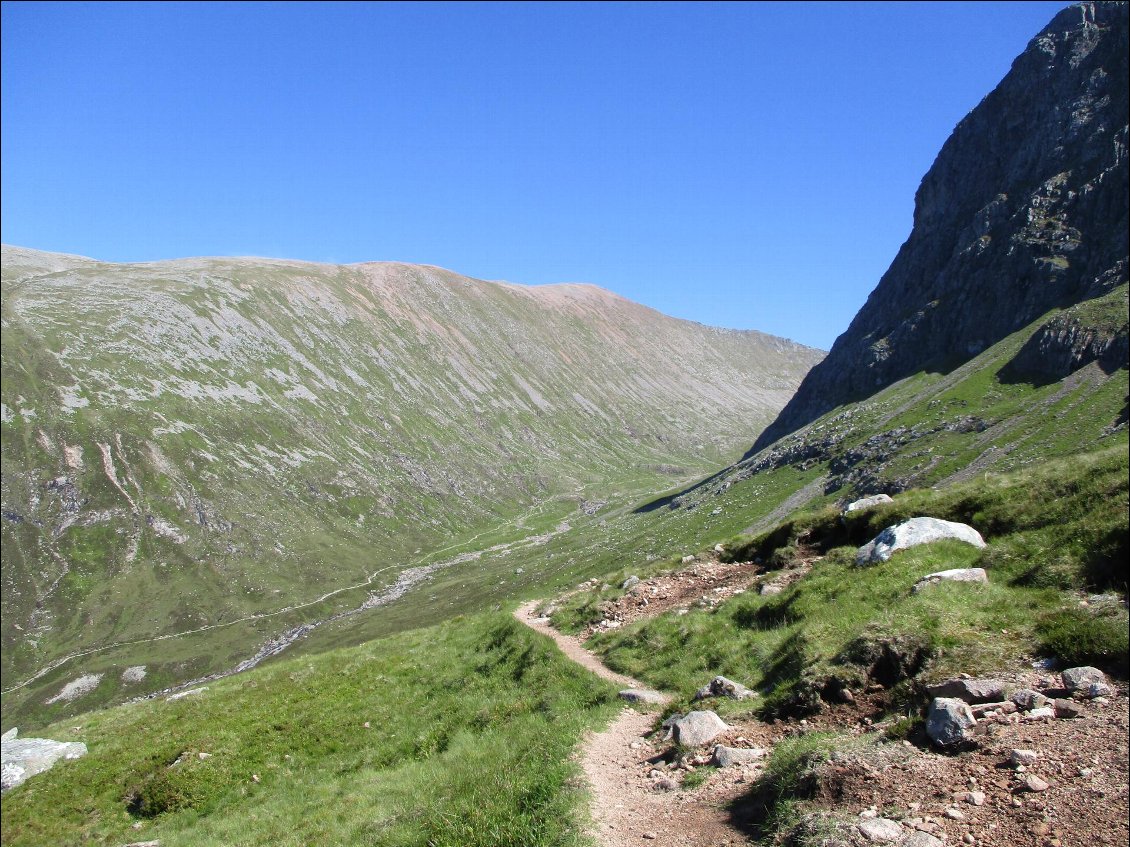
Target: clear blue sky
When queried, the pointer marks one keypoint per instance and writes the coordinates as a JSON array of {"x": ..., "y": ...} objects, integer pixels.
[{"x": 750, "y": 166}]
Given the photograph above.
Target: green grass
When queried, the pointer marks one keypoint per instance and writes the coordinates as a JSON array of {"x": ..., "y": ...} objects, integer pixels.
[
  {"x": 842, "y": 623},
  {"x": 470, "y": 729}
]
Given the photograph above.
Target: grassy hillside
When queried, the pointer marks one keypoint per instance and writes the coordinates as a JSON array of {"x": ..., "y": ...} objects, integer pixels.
[
  {"x": 1057, "y": 534},
  {"x": 235, "y": 448},
  {"x": 458, "y": 735}
]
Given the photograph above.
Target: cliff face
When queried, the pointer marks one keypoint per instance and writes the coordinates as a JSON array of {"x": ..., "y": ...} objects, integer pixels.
[{"x": 1023, "y": 211}]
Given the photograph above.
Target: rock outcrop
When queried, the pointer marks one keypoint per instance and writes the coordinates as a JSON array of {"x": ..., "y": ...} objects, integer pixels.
[
  {"x": 1023, "y": 211},
  {"x": 912, "y": 533},
  {"x": 21, "y": 758}
]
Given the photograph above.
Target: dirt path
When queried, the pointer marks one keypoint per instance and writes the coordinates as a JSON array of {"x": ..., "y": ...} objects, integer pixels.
[{"x": 629, "y": 805}]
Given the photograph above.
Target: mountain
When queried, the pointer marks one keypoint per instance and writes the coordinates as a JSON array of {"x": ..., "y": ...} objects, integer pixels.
[
  {"x": 217, "y": 445},
  {"x": 1023, "y": 211}
]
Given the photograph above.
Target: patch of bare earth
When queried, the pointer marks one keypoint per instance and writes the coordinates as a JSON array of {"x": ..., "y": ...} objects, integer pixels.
[
  {"x": 702, "y": 583},
  {"x": 977, "y": 797}
]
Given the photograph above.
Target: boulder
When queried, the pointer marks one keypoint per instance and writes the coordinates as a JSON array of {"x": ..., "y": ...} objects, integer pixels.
[
  {"x": 921, "y": 839},
  {"x": 972, "y": 690},
  {"x": 868, "y": 502},
  {"x": 642, "y": 695},
  {"x": 697, "y": 728},
  {"x": 1077, "y": 678},
  {"x": 725, "y": 757},
  {"x": 1006, "y": 707},
  {"x": 880, "y": 830},
  {"x": 722, "y": 687},
  {"x": 1027, "y": 699},
  {"x": 949, "y": 721},
  {"x": 911, "y": 533},
  {"x": 1067, "y": 709},
  {"x": 630, "y": 582},
  {"x": 977, "y": 575},
  {"x": 21, "y": 758},
  {"x": 1097, "y": 689}
]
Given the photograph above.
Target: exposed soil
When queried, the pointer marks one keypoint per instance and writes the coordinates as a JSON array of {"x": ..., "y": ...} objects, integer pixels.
[
  {"x": 972, "y": 797},
  {"x": 704, "y": 584}
]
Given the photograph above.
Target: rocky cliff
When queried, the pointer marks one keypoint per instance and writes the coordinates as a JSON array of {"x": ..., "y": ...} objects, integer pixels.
[{"x": 1023, "y": 211}]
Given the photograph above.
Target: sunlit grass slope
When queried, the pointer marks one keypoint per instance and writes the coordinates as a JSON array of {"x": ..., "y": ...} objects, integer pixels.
[{"x": 454, "y": 735}]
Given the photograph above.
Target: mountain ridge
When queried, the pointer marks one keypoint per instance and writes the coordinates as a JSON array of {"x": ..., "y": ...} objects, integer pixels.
[{"x": 1023, "y": 210}]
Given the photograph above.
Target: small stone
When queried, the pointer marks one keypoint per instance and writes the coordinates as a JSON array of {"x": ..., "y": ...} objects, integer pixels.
[
  {"x": 697, "y": 728},
  {"x": 975, "y": 798},
  {"x": 1022, "y": 757},
  {"x": 954, "y": 814},
  {"x": 630, "y": 582},
  {"x": 969, "y": 838},
  {"x": 649, "y": 836},
  {"x": 868, "y": 813},
  {"x": 722, "y": 687},
  {"x": 1033, "y": 783},
  {"x": 1075, "y": 679},
  {"x": 1067, "y": 709},
  {"x": 725, "y": 757},
  {"x": 1042, "y": 713},
  {"x": 202, "y": 756},
  {"x": 949, "y": 721},
  {"x": 1085, "y": 772},
  {"x": 642, "y": 695},
  {"x": 972, "y": 691},
  {"x": 1027, "y": 699},
  {"x": 665, "y": 784},
  {"x": 254, "y": 777},
  {"x": 921, "y": 839},
  {"x": 880, "y": 830}
]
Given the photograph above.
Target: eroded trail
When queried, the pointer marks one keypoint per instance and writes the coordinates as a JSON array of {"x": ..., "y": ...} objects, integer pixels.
[{"x": 627, "y": 809}]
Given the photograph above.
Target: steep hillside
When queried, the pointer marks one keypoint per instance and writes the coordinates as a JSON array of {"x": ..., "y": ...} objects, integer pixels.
[
  {"x": 207, "y": 444},
  {"x": 1023, "y": 211}
]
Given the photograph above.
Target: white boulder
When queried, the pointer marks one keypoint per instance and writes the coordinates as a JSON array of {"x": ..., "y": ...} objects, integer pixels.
[{"x": 911, "y": 533}]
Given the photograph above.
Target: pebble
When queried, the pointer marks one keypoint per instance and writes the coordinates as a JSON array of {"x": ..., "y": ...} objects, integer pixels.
[
  {"x": 1023, "y": 757},
  {"x": 1034, "y": 783},
  {"x": 975, "y": 798},
  {"x": 650, "y": 836},
  {"x": 954, "y": 814},
  {"x": 968, "y": 838}
]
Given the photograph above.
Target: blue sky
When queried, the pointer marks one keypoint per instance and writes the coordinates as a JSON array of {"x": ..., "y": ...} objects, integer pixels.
[{"x": 743, "y": 165}]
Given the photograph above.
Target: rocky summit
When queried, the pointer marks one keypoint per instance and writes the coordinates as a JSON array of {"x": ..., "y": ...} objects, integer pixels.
[{"x": 1023, "y": 211}]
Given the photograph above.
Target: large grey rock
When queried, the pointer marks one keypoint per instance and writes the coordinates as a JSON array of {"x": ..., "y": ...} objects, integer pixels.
[
  {"x": 21, "y": 758},
  {"x": 976, "y": 575},
  {"x": 725, "y": 757},
  {"x": 697, "y": 728},
  {"x": 630, "y": 582},
  {"x": 722, "y": 687},
  {"x": 880, "y": 830},
  {"x": 642, "y": 695},
  {"x": 911, "y": 533},
  {"x": 921, "y": 839},
  {"x": 972, "y": 691},
  {"x": 1081, "y": 677},
  {"x": 1027, "y": 699},
  {"x": 868, "y": 502},
  {"x": 949, "y": 721}
]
